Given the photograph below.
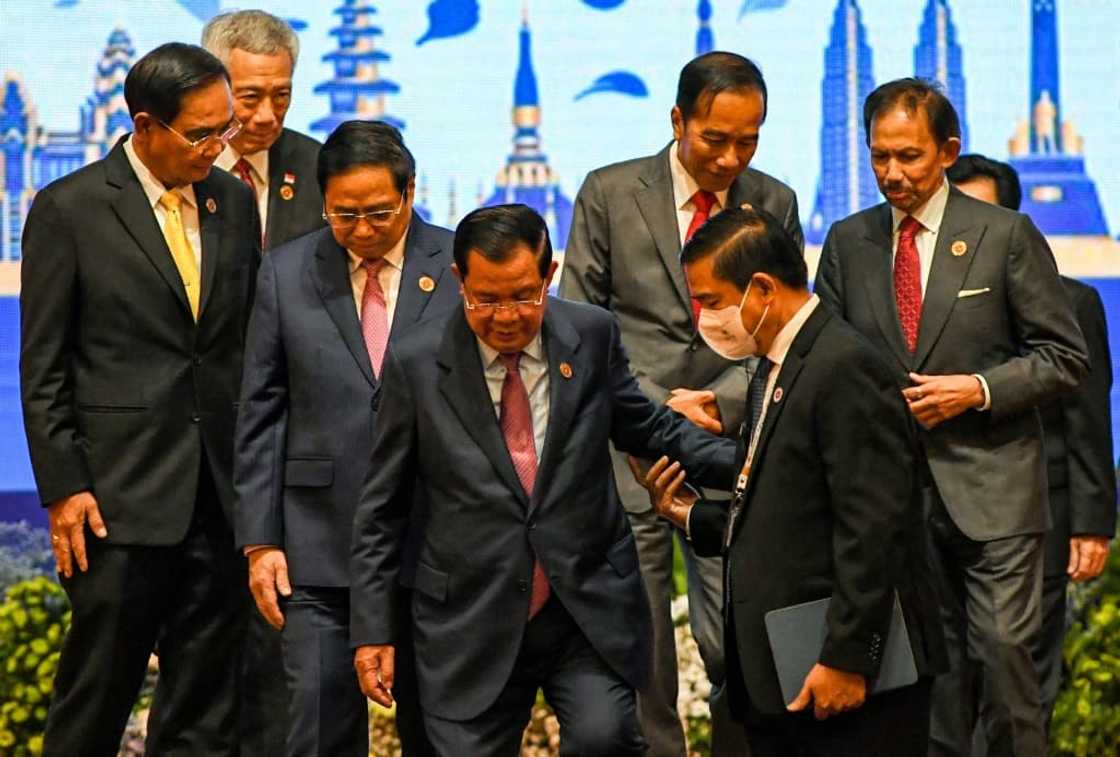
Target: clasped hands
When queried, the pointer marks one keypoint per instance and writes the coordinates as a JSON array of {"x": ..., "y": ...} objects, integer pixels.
[{"x": 935, "y": 399}]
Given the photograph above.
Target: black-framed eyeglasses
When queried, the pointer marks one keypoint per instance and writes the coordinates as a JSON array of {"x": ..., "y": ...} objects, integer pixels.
[
  {"x": 223, "y": 135},
  {"x": 490, "y": 308},
  {"x": 346, "y": 220}
]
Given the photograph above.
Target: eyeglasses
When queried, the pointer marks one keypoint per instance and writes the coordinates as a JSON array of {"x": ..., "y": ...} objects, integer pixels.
[
  {"x": 347, "y": 221},
  {"x": 490, "y": 308},
  {"x": 223, "y": 135}
]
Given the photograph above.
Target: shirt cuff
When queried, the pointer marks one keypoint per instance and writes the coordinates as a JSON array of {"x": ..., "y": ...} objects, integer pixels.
[
  {"x": 249, "y": 549},
  {"x": 987, "y": 394}
]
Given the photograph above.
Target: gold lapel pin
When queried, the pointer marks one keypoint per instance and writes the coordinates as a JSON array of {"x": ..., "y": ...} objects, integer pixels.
[
  {"x": 286, "y": 192},
  {"x": 959, "y": 248},
  {"x": 426, "y": 284},
  {"x": 566, "y": 370},
  {"x": 778, "y": 394},
  {"x": 211, "y": 205}
]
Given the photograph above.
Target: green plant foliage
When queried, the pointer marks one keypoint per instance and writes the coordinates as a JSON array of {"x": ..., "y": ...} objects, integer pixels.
[
  {"x": 33, "y": 621},
  {"x": 1086, "y": 719},
  {"x": 25, "y": 552}
]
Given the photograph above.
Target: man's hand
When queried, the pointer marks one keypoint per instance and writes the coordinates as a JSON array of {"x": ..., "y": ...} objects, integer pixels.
[
  {"x": 935, "y": 399},
  {"x": 374, "y": 663},
  {"x": 831, "y": 691},
  {"x": 68, "y": 517},
  {"x": 663, "y": 481},
  {"x": 700, "y": 407},
  {"x": 268, "y": 574},
  {"x": 1087, "y": 556}
]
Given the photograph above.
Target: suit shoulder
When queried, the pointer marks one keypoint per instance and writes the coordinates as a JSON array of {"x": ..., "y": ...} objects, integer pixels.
[
  {"x": 857, "y": 222},
  {"x": 624, "y": 171},
  {"x": 585, "y": 318},
  {"x": 768, "y": 186},
  {"x": 848, "y": 348},
  {"x": 295, "y": 251},
  {"x": 443, "y": 236},
  {"x": 301, "y": 142},
  {"x": 421, "y": 340},
  {"x": 75, "y": 186}
]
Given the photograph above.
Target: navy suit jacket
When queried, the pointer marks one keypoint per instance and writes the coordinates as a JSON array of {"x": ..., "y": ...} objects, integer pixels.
[
  {"x": 309, "y": 399},
  {"x": 479, "y": 533}
]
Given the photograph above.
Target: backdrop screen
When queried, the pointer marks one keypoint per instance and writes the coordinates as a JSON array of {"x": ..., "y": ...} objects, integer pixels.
[{"x": 1037, "y": 82}]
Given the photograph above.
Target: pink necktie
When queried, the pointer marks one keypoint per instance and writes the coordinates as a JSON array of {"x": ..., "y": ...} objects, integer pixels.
[
  {"x": 517, "y": 428},
  {"x": 908, "y": 281},
  {"x": 375, "y": 316},
  {"x": 703, "y": 201},
  {"x": 245, "y": 172}
]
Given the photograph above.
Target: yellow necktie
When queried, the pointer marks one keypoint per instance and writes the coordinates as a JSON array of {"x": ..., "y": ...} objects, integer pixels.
[{"x": 181, "y": 251}]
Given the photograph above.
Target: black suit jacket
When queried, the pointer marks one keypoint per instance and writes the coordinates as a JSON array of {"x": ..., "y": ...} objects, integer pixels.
[
  {"x": 438, "y": 431},
  {"x": 831, "y": 509},
  {"x": 1077, "y": 430},
  {"x": 293, "y": 156},
  {"x": 309, "y": 398},
  {"x": 997, "y": 309},
  {"x": 123, "y": 393}
]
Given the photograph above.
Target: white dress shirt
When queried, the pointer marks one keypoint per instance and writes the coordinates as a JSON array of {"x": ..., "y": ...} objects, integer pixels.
[
  {"x": 389, "y": 276},
  {"x": 154, "y": 189},
  {"x": 258, "y": 165},
  {"x": 534, "y": 374},
  {"x": 684, "y": 186}
]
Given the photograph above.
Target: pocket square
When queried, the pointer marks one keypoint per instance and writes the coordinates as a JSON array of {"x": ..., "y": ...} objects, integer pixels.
[{"x": 972, "y": 292}]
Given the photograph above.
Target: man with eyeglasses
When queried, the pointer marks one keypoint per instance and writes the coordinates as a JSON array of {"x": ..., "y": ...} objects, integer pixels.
[
  {"x": 138, "y": 276},
  {"x": 329, "y": 306},
  {"x": 489, "y": 492}
]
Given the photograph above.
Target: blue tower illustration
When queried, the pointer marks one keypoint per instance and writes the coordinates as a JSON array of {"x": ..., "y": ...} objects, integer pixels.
[
  {"x": 846, "y": 183},
  {"x": 527, "y": 177},
  {"x": 1047, "y": 151},
  {"x": 937, "y": 57},
  {"x": 357, "y": 91},
  {"x": 705, "y": 42}
]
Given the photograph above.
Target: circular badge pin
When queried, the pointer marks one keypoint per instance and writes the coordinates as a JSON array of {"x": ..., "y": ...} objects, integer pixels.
[
  {"x": 778, "y": 394},
  {"x": 286, "y": 192},
  {"x": 426, "y": 284},
  {"x": 959, "y": 248},
  {"x": 211, "y": 205},
  {"x": 566, "y": 370}
]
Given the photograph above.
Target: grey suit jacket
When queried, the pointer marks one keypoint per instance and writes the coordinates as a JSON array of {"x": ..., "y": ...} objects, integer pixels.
[
  {"x": 623, "y": 254},
  {"x": 997, "y": 309}
]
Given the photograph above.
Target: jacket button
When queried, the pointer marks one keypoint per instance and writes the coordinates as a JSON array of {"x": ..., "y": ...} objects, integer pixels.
[
  {"x": 523, "y": 586},
  {"x": 197, "y": 360},
  {"x": 195, "y": 417}
]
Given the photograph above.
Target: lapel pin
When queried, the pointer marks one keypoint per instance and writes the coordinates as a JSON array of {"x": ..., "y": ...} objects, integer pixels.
[
  {"x": 959, "y": 248},
  {"x": 211, "y": 205},
  {"x": 566, "y": 370},
  {"x": 778, "y": 394},
  {"x": 426, "y": 284},
  {"x": 289, "y": 178},
  {"x": 286, "y": 192}
]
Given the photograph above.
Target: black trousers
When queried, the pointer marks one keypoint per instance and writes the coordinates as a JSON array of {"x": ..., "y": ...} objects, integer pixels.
[
  {"x": 188, "y": 599},
  {"x": 597, "y": 710},
  {"x": 264, "y": 690}
]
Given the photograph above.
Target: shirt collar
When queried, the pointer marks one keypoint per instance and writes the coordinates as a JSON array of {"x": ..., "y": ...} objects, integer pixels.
[
  {"x": 684, "y": 186},
  {"x": 534, "y": 349},
  {"x": 394, "y": 257},
  {"x": 930, "y": 214},
  {"x": 228, "y": 158},
  {"x": 785, "y": 337},
  {"x": 153, "y": 187}
]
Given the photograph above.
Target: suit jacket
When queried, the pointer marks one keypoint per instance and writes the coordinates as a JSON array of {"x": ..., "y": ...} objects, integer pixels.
[
  {"x": 997, "y": 309},
  {"x": 295, "y": 156},
  {"x": 438, "y": 431},
  {"x": 623, "y": 254},
  {"x": 1077, "y": 432},
  {"x": 309, "y": 399},
  {"x": 123, "y": 393},
  {"x": 831, "y": 509}
]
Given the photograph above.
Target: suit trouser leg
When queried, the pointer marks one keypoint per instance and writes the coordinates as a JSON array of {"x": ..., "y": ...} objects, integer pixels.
[
  {"x": 263, "y": 687},
  {"x": 327, "y": 712},
  {"x": 1048, "y": 651},
  {"x": 406, "y": 694}
]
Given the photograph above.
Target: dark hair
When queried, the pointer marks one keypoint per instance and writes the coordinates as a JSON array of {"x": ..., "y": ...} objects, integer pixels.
[
  {"x": 366, "y": 143},
  {"x": 157, "y": 82},
  {"x": 1009, "y": 193},
  {"x": 495, "y": 232},
  {"x": 747, "y": 241},
  {"x": 707, "y": 75},
  {"x": 911, "y": 94}
]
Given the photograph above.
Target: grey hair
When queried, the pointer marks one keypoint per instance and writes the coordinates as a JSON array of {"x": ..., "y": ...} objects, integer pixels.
[{"x": 252, "y": 31}]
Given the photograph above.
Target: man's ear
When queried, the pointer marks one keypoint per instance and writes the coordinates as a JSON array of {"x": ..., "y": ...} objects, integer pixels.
[
  {"x": 677, "y": 119},
  {"x": 458, "y": 274}
]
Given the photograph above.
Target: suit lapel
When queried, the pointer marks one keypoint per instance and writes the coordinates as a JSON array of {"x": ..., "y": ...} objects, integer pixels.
[
  {"x": 658, "y": 208},
  {"x": 277, "y": 162},
  {"x": 463, "y": 385},
  {"x": 136, "y": 215},
  {"x": 331, "y": 272},
  {"x": 420, "y": 263},
  {"x": 561, "y": 343},
  {"x": 210, "y": 233},
  {"x": 946, "y": 274},
  {"x": 878, "y": 279}
]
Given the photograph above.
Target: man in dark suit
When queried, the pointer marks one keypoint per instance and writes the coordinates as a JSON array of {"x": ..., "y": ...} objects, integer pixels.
[
  {"x": 491, "y": 458},
  {"x": 825, "y": 505},
  {"x": 260, "y": 52},
  {"x": 1077, "y": 436},
  {"x": 137, "y": 282},
  {"x": 978, "y": 330},
  {"x": 630, "y": 222},
  {"x": 320, "y": 327}
]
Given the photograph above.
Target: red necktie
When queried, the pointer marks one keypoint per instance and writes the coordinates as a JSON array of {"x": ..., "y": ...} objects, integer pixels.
[
  {"x": 702, "y": 201},
  {"x": 517, "y": 428},
  {"x": 908, "y": 281},
  {"x": 244, "y": 170},
  {"x": 375, "y": 316}
]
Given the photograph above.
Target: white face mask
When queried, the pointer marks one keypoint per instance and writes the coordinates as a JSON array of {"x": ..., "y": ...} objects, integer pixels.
[{"x": 724, "y": 332}]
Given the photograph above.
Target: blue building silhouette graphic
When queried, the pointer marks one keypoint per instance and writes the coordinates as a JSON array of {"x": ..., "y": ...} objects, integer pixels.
[{"x": 937, "y": 57}]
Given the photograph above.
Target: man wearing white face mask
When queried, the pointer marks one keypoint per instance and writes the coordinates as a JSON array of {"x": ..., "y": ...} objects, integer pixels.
[{"x": 824, "y": 504}]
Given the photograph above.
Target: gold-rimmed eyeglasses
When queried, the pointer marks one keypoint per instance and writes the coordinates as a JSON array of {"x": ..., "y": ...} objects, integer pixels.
[
  {"x": 490, "y": 308},
  {"x": 223, "y": 135},
  {"x": 346, "y": 220}
]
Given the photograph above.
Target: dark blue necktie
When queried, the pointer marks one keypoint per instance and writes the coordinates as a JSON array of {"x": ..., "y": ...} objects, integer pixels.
[{"x": 756, "y": 394}]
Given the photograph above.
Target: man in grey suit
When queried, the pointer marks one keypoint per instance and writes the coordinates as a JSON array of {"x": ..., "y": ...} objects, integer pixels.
[
  {"x": 631, "y": 220},
  {"x": 980, "y": 332}
]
